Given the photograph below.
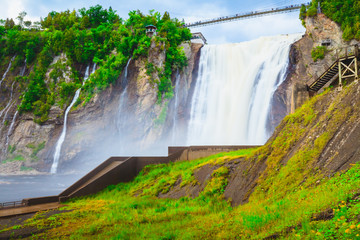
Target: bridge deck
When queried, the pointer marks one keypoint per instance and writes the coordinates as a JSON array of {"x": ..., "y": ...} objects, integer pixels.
[{"x": 241, "y": 16}]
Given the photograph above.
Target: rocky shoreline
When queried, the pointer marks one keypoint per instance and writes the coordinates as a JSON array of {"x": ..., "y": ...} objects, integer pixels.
[{"x": 17, "y": 168}]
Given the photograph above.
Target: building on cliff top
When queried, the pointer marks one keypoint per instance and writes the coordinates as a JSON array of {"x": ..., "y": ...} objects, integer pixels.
[
  {"x": 198, "y": 36},
  {"x": 150, "y": 30}
]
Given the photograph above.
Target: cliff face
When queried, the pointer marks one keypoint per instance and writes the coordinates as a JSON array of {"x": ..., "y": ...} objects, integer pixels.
[
  {"x": 97, "y": 124},
  {"x": 308, "y": 148},
  {"x": 302, "y": 69}
]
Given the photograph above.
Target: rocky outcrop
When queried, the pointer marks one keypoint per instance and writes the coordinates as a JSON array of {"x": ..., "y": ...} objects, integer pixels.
[
  {"x": 21, "y": 139},
  {"x": 302, "y": 71},
  {"x": 97, "y": 129}
]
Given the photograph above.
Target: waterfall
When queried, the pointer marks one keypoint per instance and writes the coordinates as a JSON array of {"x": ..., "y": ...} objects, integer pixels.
[
  {"x": 8, "y": 105},
  {"x": 126, "y": 70},
  {"x": 234, "y": 89},
  {"x": 63, "y": 133},
  {"x": 121, "y": 117},
  {"x": 22, "y": 72},
  {"x": 176, "y": 105},
  {"x": 11, "y": 128},
  {"x": 7, "y": 70}
]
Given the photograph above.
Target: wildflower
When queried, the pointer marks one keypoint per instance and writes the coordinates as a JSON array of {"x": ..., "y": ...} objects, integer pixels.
[
  {"x": 347, "y": 231},
  {"x": 342, "y": 217},
  {"x": 352, "y": 227},
  {"x": 318, "y": 233},
  {"x": 344, "y": 224},
  {"x": 358, "y": 226}
]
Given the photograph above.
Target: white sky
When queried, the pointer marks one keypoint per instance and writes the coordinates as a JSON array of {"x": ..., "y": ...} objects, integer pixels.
[{"x": 189, "y": 10}]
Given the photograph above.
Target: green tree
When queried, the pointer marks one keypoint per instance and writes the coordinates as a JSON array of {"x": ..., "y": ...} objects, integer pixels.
[
  {"x": 9, "y": 23},
  {"x": 21, "y": 18}
]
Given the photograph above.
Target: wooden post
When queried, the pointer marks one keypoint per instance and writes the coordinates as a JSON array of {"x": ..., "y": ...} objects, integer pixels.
[
  {"x": 340, "y": 73},
  {"x": 346, "y": 52},
  {"x": 357, "y": 51},
  {"x": 356, "y": 69}
]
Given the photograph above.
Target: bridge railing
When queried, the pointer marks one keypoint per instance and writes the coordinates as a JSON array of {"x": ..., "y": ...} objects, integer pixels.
[
  {"x": 245, "y": 14},
  {"x": 346, "y": 51}
]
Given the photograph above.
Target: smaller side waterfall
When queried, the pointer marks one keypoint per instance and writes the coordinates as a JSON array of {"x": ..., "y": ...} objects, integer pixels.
[
  {"x": 8, "y": 105},
  {"x": 61, "y": 140},
  {"x": 176, "y": 105},
  {"x": 7, "y": 70},
  {"x": 10, "y": 131},
  {"x": 121, "y": 117},
  {"x": 22, "y": 72}
]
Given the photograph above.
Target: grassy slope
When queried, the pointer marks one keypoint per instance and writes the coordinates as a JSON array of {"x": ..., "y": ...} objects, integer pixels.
[{"x": 287, "y": 202}]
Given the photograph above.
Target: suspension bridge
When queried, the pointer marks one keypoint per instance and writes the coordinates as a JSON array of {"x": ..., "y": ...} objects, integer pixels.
[{"x": 246, "y": 15}]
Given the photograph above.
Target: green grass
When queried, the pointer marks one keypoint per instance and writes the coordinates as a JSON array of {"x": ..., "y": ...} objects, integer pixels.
[
  {"x": 287, "y": 196},
  {"x": 116, "y": 213}
]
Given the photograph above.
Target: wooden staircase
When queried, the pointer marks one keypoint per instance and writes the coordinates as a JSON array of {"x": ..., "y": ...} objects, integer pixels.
[{"x": 343, "y": 67}]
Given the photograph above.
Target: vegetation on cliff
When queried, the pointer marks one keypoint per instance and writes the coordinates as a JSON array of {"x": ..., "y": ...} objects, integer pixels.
[
  {"x": 318, "y": 53},
  {"x": 88, "y": 35},
  {"x": 345, "y": 13}
]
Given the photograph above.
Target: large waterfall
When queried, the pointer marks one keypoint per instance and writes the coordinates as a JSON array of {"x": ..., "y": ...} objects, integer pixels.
[{"x": 234, "y": 89}]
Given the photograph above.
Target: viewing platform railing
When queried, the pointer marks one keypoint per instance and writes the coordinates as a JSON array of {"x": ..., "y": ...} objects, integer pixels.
[{"x": 12, "y": 204}]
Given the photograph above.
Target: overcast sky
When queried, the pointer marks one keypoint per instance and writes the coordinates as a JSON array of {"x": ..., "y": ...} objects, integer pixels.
[{"x": 189, "y": 10}]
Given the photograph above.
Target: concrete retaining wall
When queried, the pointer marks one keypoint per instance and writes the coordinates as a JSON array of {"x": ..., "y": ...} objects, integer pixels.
[
  {"x": 40, "y": 200},
  {"x": 90, "y": 175},
  {"x": 124, "y": 169}
]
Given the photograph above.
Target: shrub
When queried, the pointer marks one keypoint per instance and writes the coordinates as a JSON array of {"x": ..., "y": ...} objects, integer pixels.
[
  {"x": 312, "y": 11},
  {"x": 318, "y": 53}
]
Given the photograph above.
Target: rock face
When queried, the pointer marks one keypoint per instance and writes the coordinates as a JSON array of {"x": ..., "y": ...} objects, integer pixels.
[
  {"x": 128, "y": 116},
  {"x": 128, "y": 109},
  {"x": 302, "y": 69}
]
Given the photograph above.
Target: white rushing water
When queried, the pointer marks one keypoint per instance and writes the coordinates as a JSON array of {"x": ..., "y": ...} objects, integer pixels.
[
  {"x": 11, "y": 128},
  {"x": 61, "y": 140},
  {"x": 7, "y": 108},
  {"x": 22, "y": 72},
  {"x": 174, "y": 135},
  {"x": 7, "y": 70},
  {"x": 8, "y": 105},
  {"x": 234, "y": 89},
  {"x": 123, "y": 101}
]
